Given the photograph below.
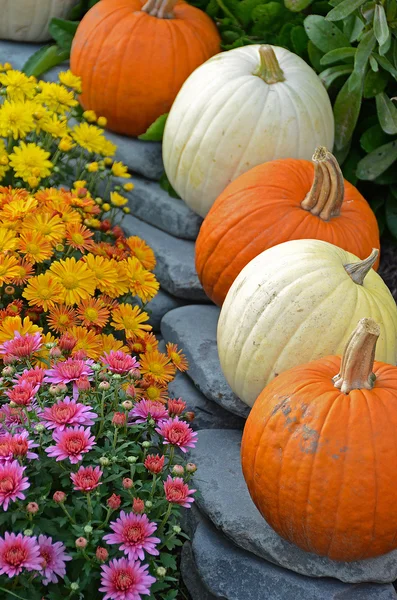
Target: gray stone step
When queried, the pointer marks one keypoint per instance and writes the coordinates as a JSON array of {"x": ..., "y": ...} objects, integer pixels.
[
  {"x": 224, "y": 498},
  {"x": 159, "y": 306},
  {"x": 193, "y": 328},
  {"x": 214, "y": 568},
  {"x": 175, "y": 260}
]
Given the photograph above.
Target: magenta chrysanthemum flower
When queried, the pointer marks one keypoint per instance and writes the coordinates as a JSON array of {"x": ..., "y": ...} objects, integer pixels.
[
  {"x": 133, "y": 533},
  {"x": 67, "y": 412},
  {"x": 71, "y": 443},
  {"x": 123, "y": 579},
  {"x": 34, "y": 376},
  {"x": 53, "y": 558},
  {"x": 21, "y": 446},
  {"x": 71, "y": 370},
  {"x": 18, "y": 552},
  {"x": 118, "y": 361},
  {"x": 13, "y": 418},
  {"x": 177, "y": 491},
  {"x": 177, "y": 433},
  {"x": 22, "y": 346},
  {"x": 22, "y": 393},
  {"x": 12, "y": 483},
  {"x": 145, "y": 409},
  {"x": 86, "y": 479}
]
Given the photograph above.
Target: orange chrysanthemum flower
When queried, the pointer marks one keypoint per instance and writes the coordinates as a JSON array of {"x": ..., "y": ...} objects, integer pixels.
[
  {"x": 25, "y": 272},
  {"x": 61, "y": 318},
  {"x": 93, "y": 313},
  {"x": 53, "y": 198},
  {"x": 88, "y": 341},
  {"x": 146, "y": 344},
  {"x": 150, "y": 389},
  {"x": 34, "y": 246},
  {"x": 76, "y": 278},
  {"x": 50, "y": 226},
  {"x": 178, "y": 359},
  {"x": 110, "y": 343},
  {"x": 8, "y": 194},
  {"x": 70, "y": 216},
  {"x": 8, "y": 240},
  {"x": 10, "y": 325},
  {"x": 130, "y": 319},
  {"x": 142, "y": 251},
  {"x": 105, "y": 273},
  {"x": 44, "y": 291},
  {"x": 142, "y": 283},
  {"x": 79, "y": 237},
  {"x": 109, "y": 302},
  {"x": 8, "y": 268},
  {"x": 157, "y": 365},
  {"x": 18, "y": 208}
]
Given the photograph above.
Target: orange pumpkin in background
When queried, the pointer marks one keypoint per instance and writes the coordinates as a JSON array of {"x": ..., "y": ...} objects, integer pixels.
[
  {"x": 319, "y": 452},
  {"x": 134, "y": 57},
  {"x": 278, "y": 201}
]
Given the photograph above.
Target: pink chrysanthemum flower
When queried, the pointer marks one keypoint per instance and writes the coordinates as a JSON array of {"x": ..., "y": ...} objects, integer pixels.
[
  {"x": 86, "y": 479},
  {"x": 6, "y": 454},
  {"x": 52, "y": 558},
  {"x": 21, "y": 446},
  {"x": 177, "y": 433},
  {"x": 145, "y": 409},
  {"x": 71, "y": 370},
  {"x": 177, "y": 491},
  {"x": 18, "y": 552},
  {"x": 12, "y": 483},
  {"x": 118, "y": 361},
  {"x": 176, "y": 406},
  {"x": 71, "y": 443},
  {"x": 67, "y": 412},
  {"x": 13, "y": 418},
  {"x": 22, "y": 393},
  {"x": 123, "y": 579},
  {"x": 133, "y": 533},
  {"x": 34, "y": 376},
  {"x": 22, "y": 346}
]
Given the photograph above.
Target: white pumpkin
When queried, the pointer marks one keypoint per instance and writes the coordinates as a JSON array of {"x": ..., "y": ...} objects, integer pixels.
[
  {"x": 297, "y": 302},
  {"x": 28, "y": 20},
  {"x": 239, "y": 109}
]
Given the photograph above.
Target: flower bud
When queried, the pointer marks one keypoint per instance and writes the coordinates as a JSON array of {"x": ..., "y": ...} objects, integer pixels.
[
  {"x": 146, "y": 444},
  {"x": 96, "y": 367},
  {"x": 88, "y": 529},
  {"x": 59, "y": 497},
  {"x": 53, "y": 390},
  {"x": 8, "y": 371},
  {"x": 32, "y": 508},
  {"x": 152, "y": 422},
  {"x": 127, "y": 404},
  {"x": 83, "y": 383},
  {"x": 116, "y": 376},
  {"x": 102, "y": 121},
  {"x": 161, "y": 572},
  {"x": 67, "y": 342},
  {"x": 132, "y": 459},
  {"x": 127, "y": 483},
  {"x": 189, "y": 416},
  {"x": 138, "y": 506},
  {"x": 81, "y": 542},
  {"x": 80, "y": 355},
  {"x": 28, "y": 532},
  {"x": 104, "y": 461},
  {"x": 39, "y": 428},
  {"x": 191, "y": 468},
  {"x": 104, "y": 385},
  {"x": 114, "y": 502},
  {"x": 119, "y": 419},
  {"x": 131, "y": 391},
  {"x": 178, "y": 470},
  {"x": 101, "y": 554},
  {"x": 74, "y": 586},
  {"x": 176, "y": 529},
  {"x": 149, "y": 504}
]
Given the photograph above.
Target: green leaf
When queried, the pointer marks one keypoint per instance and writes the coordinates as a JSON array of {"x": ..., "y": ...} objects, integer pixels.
[
  {"x": 324, "y": 34},
  {"x": 372, "y": 138},
  {"x": 329, "y": 75},
  {"x": 63, "y": 32},
  {"x": 384, "y": 48},
  {"x": 387, "y": 113},
  {"x": 364, "y": 49},
  {"x": 315, "y": 56},
  {"x": 168, "y": 560},
  {"x": 386, "y": 65},
  {"x": 346, "y": 110},
  {"x": 156, "y": 130},
  {"x": 356, "y": 29},
  {"x": 374, "y": 83},
  {"x": 373, "y": 64},
  {"x": 45, "y": 59},
  {"x": 337, "y": 54},
  {"x": 166, "y": 186},
  {"x": 344, "y": 9},
  {"x": 297, "y": 5},
  {"x": 299, "y": 40},
  {"x": 376, "y": 163},
  {"x": 391, "y": 214},
  {"x": 381, "y": 28}
]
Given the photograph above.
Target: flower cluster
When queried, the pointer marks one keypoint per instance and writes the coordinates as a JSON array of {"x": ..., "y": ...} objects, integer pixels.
[{"x": 92, "y": 472}]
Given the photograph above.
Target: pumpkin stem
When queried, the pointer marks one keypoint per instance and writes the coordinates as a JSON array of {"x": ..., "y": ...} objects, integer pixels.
[
  {"x": 359, "y": 270},
  {"x": 269, "y": 69},
  {"x": 356, "y": 369},
  {"x": 326, "y": 194},
  {"x": 163, "y": 9}
]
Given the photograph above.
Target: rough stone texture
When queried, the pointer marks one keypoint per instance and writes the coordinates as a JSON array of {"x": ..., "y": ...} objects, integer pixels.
[
  {"x": 208, "y": 415},
  {"x": 193, "y": 328},
  {"x": 141, "y": 157},
  {"x": 230, "y": 573},
  {"x": 159, "y": 306},
  {"x": 191, "y": 576},
  {"x": 225, "y": 499},
  {"x": 175, "y": 260},
  {"x": 153, "y": 205}
]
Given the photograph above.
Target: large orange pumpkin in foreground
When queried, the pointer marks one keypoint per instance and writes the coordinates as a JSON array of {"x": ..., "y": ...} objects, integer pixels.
[
  {"x": 276, "y": 202},
  {"x": 319, "y": 452},
  {"x": 134, "y": 57}
]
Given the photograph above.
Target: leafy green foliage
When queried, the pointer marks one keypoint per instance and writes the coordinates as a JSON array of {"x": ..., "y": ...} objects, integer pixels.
[{"x": 155, "y": 132}]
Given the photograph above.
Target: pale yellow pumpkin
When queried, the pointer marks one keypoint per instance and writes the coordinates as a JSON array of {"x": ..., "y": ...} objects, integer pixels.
[{"x": 28, "y": 20}]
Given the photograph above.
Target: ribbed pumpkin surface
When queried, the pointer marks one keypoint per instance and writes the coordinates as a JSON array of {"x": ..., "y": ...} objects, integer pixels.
[
  {"x": 132, "y": 64},
  {"x": 321, "y": 466},
  {"x": 261, "y": 209}
]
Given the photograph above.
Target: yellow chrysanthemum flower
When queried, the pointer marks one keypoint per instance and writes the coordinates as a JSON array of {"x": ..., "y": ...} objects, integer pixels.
[
  {"x": 117, "y": 199},
  {"x": 25, "y": 272},
  {"x": 92, "y": 167},
  {"x": 128, "y": 187},
  {"x": 8, "y": 240},
  {"x": 130, "y": 319},
  {"x": 142, "y": 283},
  {"x": 18, "y": 85},
  {"x": 68, "y": 79},
  {"x": 102, "y": 121},
  {"x": 6, "y": 67},
  {"x": 50, "y": 226},
  {"x": 142, "y": 251},
  {"x": 105, "y": 274},
  {"x": 16, "y": 119},
  {"x": 4, "y": 160},
  {"x": 89, "y": 137},
  {"x": 8, "y": 268},
  {"x": 56, "y": 97},
  {"x": 108, "y": 149},
  {"x": 110, "y": 343},
  {"x": 34, "y": 246},
  {"x": 10, "y": 325},
  {"x": 44, "y": 291},
  {"x": 29, "y": 160},
  {"x": 87, "y": 340},
  {"x": 77, "y": 279},
  {"x": 55, "y": 126},
  {"x": 61, "y": 318},
  {"x": 66, "y": 144},
  {"x": 17, "y": 209},
  {"x": 90, "y": 116},
  {"x": 120, "y": 170},
  {"x": 158, "y": 366},
  {"x": 93, "y": 313}
]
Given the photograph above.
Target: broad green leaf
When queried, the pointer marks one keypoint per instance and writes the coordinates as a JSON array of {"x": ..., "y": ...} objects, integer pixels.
[
  {"x": 350, "y": 166},
  {"x": 324, "y": 34},
  {"x": 376, "y": 163},
  {"x": 391, "y": 10},
  {"x": 344, "y": 9},
  {"x": 315, "y": 56},
  {"x": 346, "y": 110},
  {"x": 337, "y": 54},
  {"x": 167, "y": 187},
  {"x": 45, "y": 59},
  {"x": 384, "y": 48},
  {"x": 329, "y": 75},
  {"x": 299, "y": 40},
  {"x": 373, "y": 138},
  {"x": 297, "y": 5},
  {"x": 387, "y": 113},
  {"x": 367, "y": 11},
  {"x": 391, "y": 214},
  {"x": 386, "y": 65},
  {"x": 156, "y": 130},
  {"x": 381, "y": 28},
  {"x": 63, "y": 32},
  {"x": 373, "y": 64},
  {"x": 374, "y": 83},
  {"x": 355, "y": 30},
  {"x": 364, "y": 49}
]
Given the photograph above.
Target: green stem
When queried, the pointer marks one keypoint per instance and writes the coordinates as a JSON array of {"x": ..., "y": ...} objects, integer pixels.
[
  {"x": 165, "y": 519},
  {"x": 115, "y": 438},
  {"x": 11, "y": 593},
  {"x": 102, "y": 525},
  {"x": 89, "y": 507},
  {"x": 171, "y": 456},
  {"x": 102, "y": 415},
  {"x": 228, "y": 12},
  {"x": 65, "y": 510},
  {"x": 153, "y": 485},
  {"x": 269, "y": 69}
]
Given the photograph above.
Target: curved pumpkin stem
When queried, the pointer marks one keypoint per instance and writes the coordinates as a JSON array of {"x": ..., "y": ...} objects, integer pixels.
[
  {"x": 328, "y": 189},
  {"x": 163, "y": 9},
  {"x": 269, "y": 70},
  {"x": 356, "y": 370},
  {"x": 359, "y": 270}
]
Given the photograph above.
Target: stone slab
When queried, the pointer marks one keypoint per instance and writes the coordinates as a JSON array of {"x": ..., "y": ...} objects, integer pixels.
[
  {"x": 159, "y": 306},
  {"x": 193, "y": 328},
  {"x": 224, "y": 498},
  {"x": 175, "y": 268},
  {"x": 191, "y": 576},
  {"x": 229, "y": 573}
]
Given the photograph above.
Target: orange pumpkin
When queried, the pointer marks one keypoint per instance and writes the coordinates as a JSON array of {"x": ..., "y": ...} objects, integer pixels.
[
  {"x": 276, "y": 202},
  {"x": 134, "y": 57},
  {"x": 319, "y": 452}
]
